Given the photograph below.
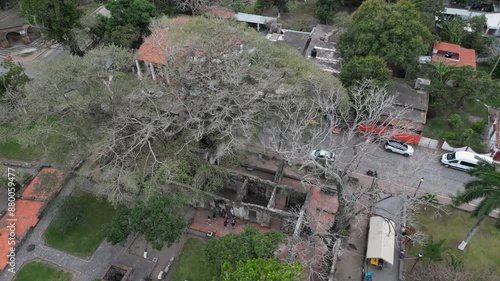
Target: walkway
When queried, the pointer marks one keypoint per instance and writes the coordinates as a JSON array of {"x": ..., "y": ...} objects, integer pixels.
[
  {"x": 200, "y": 224},
  {"x": 86, "y": 269}
]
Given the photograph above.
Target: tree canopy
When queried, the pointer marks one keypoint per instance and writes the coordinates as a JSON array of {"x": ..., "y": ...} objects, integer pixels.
[
  {"x": 454, "y": 85},
  {"x": 57, "y": 19},
  {"x": 135, "y": 129},
  {"x": 262, "y": 270},
  {"x": 157, "y": 219},
  {"x": 391, "y": 31},
  {"x": 454, "y": 30},
  {"x": 248, "y": 245},
  {"x": 486, "y": 185},
  {"x": 129, "y": 17},
  {"x": 362, "y": 68}
]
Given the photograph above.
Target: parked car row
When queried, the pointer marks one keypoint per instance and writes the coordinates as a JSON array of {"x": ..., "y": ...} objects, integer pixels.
[{"x": 461, "y": 160}]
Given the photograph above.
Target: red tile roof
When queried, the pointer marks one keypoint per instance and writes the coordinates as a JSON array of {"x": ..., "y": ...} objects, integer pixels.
[
  {"x": 466, "y": 56},
  {"x": 44, "y": 185},
  {"x": 154, "y": 48},
  {"x": 25, "y": 216},
  {"x": 323, "y": 207}
]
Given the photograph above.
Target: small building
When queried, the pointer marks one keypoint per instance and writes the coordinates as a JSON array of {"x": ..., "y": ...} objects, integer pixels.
[
  {"x": 381, "y": 241},
  {"x": 154, "y": 52},
  {"x": 453, "y": 54},
  {"x": 492, "y": 19},
  {"x": 409, "y": 126},
  {"x": 318, "y": 45}
]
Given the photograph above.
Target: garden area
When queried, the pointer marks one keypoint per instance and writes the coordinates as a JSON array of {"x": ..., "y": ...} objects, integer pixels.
[
  {"x": 79, "y": 225},
  {"x": 192, "y": 263},
  {"x": 461, "y": 128},
  {"x": 447, "y": 231},
  {"x": 40, "y": 271}
]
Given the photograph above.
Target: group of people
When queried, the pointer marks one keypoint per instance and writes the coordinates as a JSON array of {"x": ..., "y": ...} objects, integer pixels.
[{"x": 226, "y": 217}]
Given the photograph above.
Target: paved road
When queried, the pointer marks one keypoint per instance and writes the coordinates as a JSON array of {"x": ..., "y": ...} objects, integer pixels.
[
  {"x": 33, "y": 67},
  {"x": 401, "y": 172}
]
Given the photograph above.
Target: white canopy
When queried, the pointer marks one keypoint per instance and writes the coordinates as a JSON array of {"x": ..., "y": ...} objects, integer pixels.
[
  {"x": 493, "y": 21},
  {"x": 381, "y": 239}
]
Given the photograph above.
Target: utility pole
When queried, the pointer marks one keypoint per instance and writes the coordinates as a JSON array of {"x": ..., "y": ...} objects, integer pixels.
[{"x": 420, "y": 183}]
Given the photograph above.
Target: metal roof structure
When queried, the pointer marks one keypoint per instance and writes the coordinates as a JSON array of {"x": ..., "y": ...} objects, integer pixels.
[
  {"x": 254, "y": 18},
  {"x": 381, "y": 239}
]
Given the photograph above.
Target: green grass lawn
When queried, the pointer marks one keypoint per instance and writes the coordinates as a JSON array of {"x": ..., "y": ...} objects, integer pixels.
[
  {"x": 84, "y": 238},
  {"x": 39, "y": 271},
  {"x": 481, "y": 252},
  {"x": 438, "y": 126},
  {"x": 191, "y": 264},
  {"x": 13, "y": 150}
]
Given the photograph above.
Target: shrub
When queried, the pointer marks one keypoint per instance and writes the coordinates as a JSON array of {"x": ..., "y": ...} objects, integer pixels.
[
  {"x": 451, "y": 136},
  {"x": 455, "y": 120},
  {"x": 478, "y": 127},
  {"x": 467, "y": 134}
]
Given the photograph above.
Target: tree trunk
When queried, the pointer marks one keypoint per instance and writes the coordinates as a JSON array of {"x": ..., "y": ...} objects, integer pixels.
[{"x": 471, "y": 233}]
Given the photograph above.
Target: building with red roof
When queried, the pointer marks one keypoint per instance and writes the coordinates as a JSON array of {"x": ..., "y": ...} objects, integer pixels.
[
  {"x": 453, "y": 54},
  {"x": 14, "y": 225}
]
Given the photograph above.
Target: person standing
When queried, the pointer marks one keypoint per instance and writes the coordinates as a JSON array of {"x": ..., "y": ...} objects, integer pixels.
[
  {"x": 225, "y": 224},
  {"x": 233, "y": 223},
  {"x": 209, "y": 221},
  {"x": 214, "y": 215}
]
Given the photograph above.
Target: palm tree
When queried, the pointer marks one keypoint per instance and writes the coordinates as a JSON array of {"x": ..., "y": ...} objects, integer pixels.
[
  {"x": 453, "y": 30},
  {"x": 485, "y": 186}
]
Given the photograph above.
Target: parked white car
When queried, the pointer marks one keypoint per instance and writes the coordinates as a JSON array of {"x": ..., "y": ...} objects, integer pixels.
[
  {"x": 323, "y": 155},
  {"x": 463, "y": 160},
  {"x": 398, "y": 147}
]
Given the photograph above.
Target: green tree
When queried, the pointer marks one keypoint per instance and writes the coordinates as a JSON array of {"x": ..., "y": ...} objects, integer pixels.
[
  {"x": 58, "y": 19},
  {"x": 474, "y": 39},
  {"x": 429, "y": 10},
  {"x": 486, "y": 186},
  {"x": 391, "y": 31},
  {"x": 361, "y": 68},
  {"x": 453, "y": 30},
  {"x": 126, "y": 36},
  {"x": 12, "y": 82},
  {"x": 262, "y": 270},
  {"x": 157, "y": 219},
  {"x": 325, "y": 10},
  {"x": 136, "y": 13},
  {"x": 250, "y": 244}
]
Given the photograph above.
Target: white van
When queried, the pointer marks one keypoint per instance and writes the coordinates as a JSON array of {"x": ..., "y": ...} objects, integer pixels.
[{"x": 463, "y": 160}]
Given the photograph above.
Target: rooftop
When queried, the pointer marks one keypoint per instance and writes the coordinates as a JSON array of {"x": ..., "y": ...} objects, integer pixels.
[
  {"x": 453, "y": 54},
  {"x": 45, "y": 184},
  {"x": 327, "y": 56},
  {"x": 154, "y": 48},
  {"x": 254, "y": 18},
  {"x": 9, "y": 18}
]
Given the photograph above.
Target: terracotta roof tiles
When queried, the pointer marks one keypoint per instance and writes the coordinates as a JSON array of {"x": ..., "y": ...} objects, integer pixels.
[{"x": 466, "y": 56}]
